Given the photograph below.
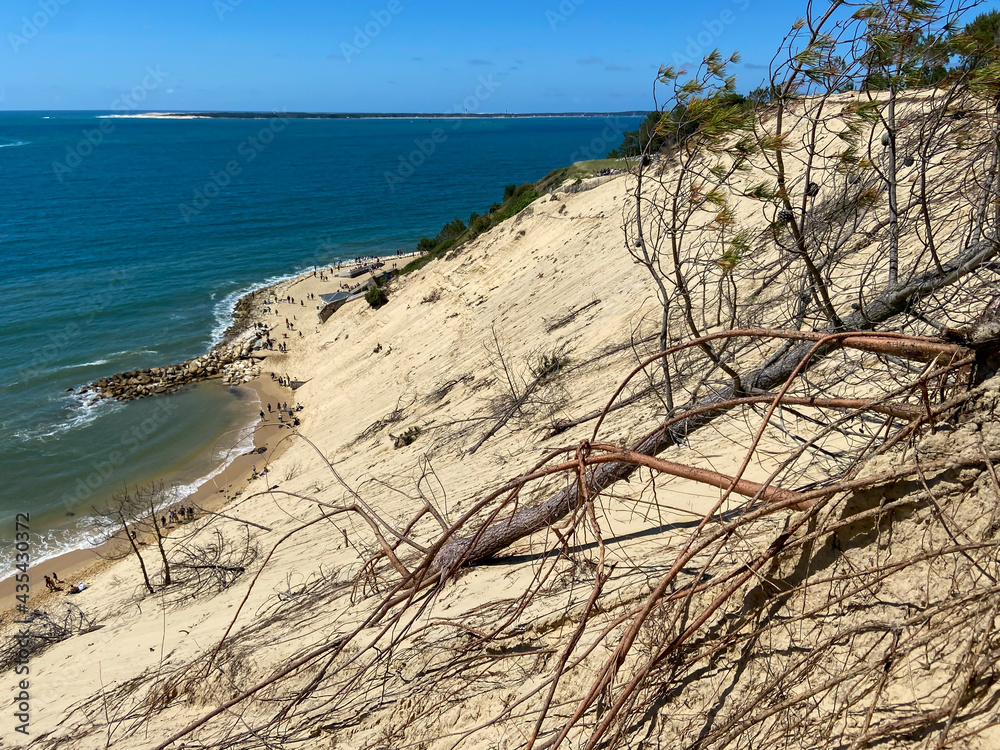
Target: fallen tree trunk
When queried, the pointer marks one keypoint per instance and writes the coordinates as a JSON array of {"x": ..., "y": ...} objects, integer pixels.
[{"x": 499, "y": 535}]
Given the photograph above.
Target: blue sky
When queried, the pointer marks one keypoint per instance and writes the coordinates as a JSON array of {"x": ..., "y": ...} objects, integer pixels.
[{"x": 410, "y": 55}]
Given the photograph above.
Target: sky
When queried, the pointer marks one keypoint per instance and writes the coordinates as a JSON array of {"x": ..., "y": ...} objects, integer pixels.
[{"x": 368, "y": 55}]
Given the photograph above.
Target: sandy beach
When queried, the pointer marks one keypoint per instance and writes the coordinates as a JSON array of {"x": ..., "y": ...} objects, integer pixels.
[{"x": 212, "y": 495}]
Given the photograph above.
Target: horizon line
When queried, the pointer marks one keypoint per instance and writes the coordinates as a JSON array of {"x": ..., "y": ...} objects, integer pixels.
[{"x": 340, "y": 113}]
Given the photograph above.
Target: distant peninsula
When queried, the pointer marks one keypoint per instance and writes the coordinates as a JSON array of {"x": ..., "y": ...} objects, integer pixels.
[{"x": 376, "y": 115}]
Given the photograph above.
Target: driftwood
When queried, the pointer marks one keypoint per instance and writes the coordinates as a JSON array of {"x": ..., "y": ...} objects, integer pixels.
[{"x": 890, "y": 303}]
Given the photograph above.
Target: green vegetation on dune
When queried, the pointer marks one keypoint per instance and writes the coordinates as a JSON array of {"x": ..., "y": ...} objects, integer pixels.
[
  {"x": 456, "y": 232},
  {"x": 580, "y": 170}
]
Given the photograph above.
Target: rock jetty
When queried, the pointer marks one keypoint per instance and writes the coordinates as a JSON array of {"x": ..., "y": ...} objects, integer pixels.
[{"x": 232, "y": 361}]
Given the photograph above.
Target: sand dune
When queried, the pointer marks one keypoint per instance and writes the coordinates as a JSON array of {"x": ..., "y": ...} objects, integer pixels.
[{"x": 394, "y": 400}]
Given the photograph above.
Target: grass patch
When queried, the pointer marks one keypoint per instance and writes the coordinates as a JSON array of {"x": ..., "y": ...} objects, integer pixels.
[{"x": 580, "y": 170}]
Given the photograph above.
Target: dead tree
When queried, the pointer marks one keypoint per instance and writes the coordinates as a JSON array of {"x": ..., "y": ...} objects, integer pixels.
[
  {"x": 118, "y": 518},
  {"x": 834, "y": 289}
]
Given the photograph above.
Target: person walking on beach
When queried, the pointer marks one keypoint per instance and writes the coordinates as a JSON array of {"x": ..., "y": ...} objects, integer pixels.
[{"x": 261, "y": 415}]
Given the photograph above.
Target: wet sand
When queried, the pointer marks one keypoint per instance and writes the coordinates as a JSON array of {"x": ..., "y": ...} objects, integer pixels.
[{"x": 83, "y": 564}]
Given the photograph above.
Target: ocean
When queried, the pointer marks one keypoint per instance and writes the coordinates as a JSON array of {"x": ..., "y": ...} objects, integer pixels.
[{"x": 126, "y": 242}]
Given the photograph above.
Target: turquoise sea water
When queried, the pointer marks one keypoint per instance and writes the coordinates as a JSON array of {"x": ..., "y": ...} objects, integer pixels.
[{"x": 125, "y": 242}]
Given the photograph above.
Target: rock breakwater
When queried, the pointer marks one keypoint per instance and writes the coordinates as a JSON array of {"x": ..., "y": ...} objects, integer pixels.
[{"x": 232, "y": 361}]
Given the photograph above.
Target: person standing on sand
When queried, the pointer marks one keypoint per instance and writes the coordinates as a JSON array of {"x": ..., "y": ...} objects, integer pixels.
[{"x": 261, "y": 415}]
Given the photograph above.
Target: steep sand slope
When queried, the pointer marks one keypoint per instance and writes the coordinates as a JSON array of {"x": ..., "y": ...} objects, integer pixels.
[{"x": 456, "y": 337}]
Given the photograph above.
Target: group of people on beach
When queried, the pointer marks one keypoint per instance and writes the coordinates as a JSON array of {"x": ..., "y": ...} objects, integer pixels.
[
  {"x": 282, "y": 409},
  {"x": 321, "y": 274},
  {"x": 54, "y": 584},
  {"x": 177, "y": 515}
]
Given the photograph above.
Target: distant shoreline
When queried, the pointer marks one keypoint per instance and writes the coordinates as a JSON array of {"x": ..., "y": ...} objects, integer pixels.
[{"x": 369, "y": 115}]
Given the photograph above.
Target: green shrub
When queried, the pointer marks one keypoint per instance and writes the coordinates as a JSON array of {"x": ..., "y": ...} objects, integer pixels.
[
  {"x": 479, "y": 224},
  {"x": 548, "y": 365},
  {"x": 517, "y": 203},
  {"x": 407, "y": 438},
  {"x": 376, "y": 296},
  {"x": 452, "y": 229}
]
